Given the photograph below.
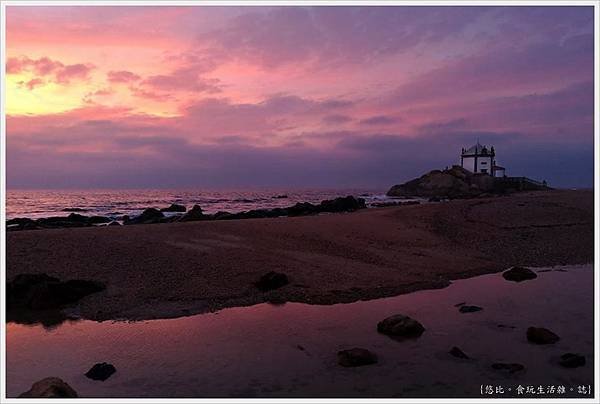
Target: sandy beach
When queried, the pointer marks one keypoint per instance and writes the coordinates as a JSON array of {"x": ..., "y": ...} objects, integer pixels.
[{"x": 175, "y": 269}]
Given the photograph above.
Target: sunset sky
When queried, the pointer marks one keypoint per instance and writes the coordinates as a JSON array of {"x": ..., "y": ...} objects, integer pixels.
[{"x": 162, "y": 97}]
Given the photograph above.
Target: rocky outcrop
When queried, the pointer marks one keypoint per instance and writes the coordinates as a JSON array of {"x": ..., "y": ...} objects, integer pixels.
[
  {"x": 148, "y": 216},
  {"x": 356, "y": 357},
  {"x": 519, "y": 274},
  {"x": 50, "y": 387},
  {"x": 541, "y": 336},
  {"x": 455, "y": 182},
  {"x": 400, "y": 326},
  {"x": 100, "y": 371},
  {"x": 153, "y": 215},
  {"x": 174, "y": 208},
  {"x": 44, "y": 292},
  {"x": 271, "y": 280}
]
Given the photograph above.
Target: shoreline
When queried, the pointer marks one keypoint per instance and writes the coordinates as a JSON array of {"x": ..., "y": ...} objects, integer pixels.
[{"x": 181, "y": 269}]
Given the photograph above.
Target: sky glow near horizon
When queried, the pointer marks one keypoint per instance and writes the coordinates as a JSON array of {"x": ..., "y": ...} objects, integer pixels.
[{"x": 162, "y": 97}]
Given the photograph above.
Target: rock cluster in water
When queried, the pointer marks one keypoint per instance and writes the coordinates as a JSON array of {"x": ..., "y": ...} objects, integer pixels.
[{"x": 153, "y": 215}]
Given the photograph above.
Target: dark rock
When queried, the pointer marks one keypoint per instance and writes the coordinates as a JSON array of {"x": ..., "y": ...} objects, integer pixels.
[
  {"x": 272, "y": 280},
  {"x": 50, "y": 387},
  {"x": 458, "y": 353},
  {"x": 571, "y": 360},
  {"x": 21, "y": 223},
  {"x": 344, "y": 204},
  {"x": 193, "y": 214},
  {"x": 115, "y": 223},
  {"x": 100, "y": 371},
  {"x": 302, "y": 209},
  {"x": 174, "y": 208},
  {"x": 394, "y": 203},
  {"x": 400, "y": 326},
  {"x": 541, "y": 336},
  {"x": 508, "y": 367},
  {"x": 42, "y": 292},
  {"x": 356, "y": 357},
  {"x": 222, "y": 215},
  {"x": 519, "y": 274},
  {"x": 148, "y": 216},
  {"x": 280, "y": 197},
  {"x": 469, "y": 309},
  {"x": 99, "y": 220}
]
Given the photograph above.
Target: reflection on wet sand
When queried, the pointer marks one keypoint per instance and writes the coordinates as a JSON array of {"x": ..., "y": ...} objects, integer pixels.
[{"x": 291, "y": 350}]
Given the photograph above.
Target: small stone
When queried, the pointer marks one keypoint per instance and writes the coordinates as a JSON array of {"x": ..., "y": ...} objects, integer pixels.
[
  {"x": 508, "y": 367},
  {"x": 571, "y": 360},
  {"x": 541, "y": 336},
  {"x": 100, "y": 371},
  {"x": 400, "y": 326},
  {"x": 469, "y": 309},
  {"x": 272, "y": 280},
  {"x": 356, "y": 357},
  {"x": 50, "y": 387},
  {"x": 458, "y": 353},
  {"x": 519, "y": 274}
]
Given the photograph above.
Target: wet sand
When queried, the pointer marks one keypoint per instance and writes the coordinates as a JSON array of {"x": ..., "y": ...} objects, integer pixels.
[
  {"x": 170, "y": 270},
  {"x": 290, "y": 350}
]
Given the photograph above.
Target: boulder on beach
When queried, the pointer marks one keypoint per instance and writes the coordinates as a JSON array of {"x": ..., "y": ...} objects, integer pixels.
[
  {"x": 193, "y": 214},
  {"x": 50, "y": 387},
  {"x": 21, "y": 223},
  {"x": 272, "y": 280},
  {"x": 100, "y": 371},
  {"x": 458, "y": 353},
  {"x": 356, "y": 357},
  {"x": 99, "y": 219},
  {"x": 541, "y": 336},
  {"x": 519, "y": 274},
  {"x": 400, "y": 326},
  {"x": 469, "y": 309},
  {"x": 455, "y": 182},
  {"x": 174, "y": 208},
  {"x": 343, "y": 204},
  {"x": 572, "y": 360},
  {"x": 41, "y": 291},
  {"x": 508, "y": 367},
  {"x": 148, "y": 216}
]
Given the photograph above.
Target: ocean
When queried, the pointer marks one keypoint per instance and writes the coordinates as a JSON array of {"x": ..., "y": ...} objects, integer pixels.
[{"x": 114, "y": 203}]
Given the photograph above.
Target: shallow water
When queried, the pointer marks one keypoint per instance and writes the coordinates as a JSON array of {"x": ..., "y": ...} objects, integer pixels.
[{"x": 290, "y": 350}]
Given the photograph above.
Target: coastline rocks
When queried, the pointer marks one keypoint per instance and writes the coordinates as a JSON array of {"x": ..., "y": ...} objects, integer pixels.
[
  {"x": 74, "y": 210},
  {"x": 519, "y": 274},
  {"x": 394, "y": 203},
  {"x": 42, "y": 292},
  {"x": 572, "y": 360},
  {"x": 174, "y": 208},
  {"x": 541, "y": 336},
  {"x": 271, "y": 280},
  {"x": 455, "y": 182},
  {"x": 193, "y": 214},
  {"x": 356, "y": 357},
  {"x": 469, "y": 309},
  {"x": 344, "y": 204},
  {"x": 100, "y": 371},
  {"x": 399, "y": 326},
  {"x": 508, "y": 367},
  {"x": 458, "y": 353},
  {"x": 50, "y": 387},
  {"x": 148, "y": 216}
]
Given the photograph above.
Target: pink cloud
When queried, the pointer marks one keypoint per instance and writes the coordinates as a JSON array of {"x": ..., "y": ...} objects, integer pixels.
[
  {"x": 122, "y": 76},
  {"x": 44, "y": 66}
]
